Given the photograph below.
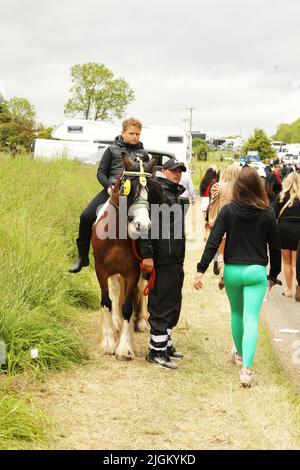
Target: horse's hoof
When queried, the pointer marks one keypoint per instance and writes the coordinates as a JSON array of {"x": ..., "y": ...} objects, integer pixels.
[
  {"x": 124, "y": 358},
  {"x": 108, "y": 349}
]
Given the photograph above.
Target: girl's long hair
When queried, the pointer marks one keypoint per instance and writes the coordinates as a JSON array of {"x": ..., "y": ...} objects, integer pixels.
[
  {"x": 248, "y": 189},
  {"x": 230, "y": 173},
  {"x": 291, "y": 186},
  {"x": 269, "y": 184},
  {"x": 208, "y": 178}
]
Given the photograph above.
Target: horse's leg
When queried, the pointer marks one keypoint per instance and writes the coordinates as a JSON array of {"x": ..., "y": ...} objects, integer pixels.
[
  {"x": 108, "y": 344},
  {"x": 115, "y": 293},
  {"x": 140, "y": 307},
  {"x": 124, "y": 350}
]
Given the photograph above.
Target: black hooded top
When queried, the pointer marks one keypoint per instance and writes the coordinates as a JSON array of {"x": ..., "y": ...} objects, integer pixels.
[{"x": 248, "y": 233}]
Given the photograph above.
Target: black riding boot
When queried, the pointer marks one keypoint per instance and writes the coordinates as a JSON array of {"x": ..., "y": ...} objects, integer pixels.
[{"x": 83, "y": 256}]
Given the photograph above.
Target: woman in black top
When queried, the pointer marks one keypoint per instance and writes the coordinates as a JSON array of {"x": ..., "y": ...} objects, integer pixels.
[
  {"x": 250, "y": 228},
  {"x": 287, "y": 212}
]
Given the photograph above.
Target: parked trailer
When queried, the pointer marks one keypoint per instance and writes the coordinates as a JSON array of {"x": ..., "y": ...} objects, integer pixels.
[
  {"x": 86, "y": 131},
  {"x": 78, "y": 138},
  {"x": 169, "y": 139},
  {"x": 48, "y": 149}
]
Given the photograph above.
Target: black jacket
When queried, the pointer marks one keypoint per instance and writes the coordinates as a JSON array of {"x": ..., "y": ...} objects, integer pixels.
[
  {"x": 111, "y": 166},
  {"x": 248, "y": 232},
  {"x": 166, "y": 242}
]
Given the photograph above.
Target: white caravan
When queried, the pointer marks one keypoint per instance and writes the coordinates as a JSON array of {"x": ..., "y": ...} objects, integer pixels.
[
  {"x": 78, "y": 138},
  {"x": 83, "y": 151},
  {"x": 86, "y": 131},
  {"x": 169, "y": 139}
]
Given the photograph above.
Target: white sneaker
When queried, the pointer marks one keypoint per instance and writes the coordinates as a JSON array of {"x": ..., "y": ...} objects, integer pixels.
[{"x": 246, "y": 377}]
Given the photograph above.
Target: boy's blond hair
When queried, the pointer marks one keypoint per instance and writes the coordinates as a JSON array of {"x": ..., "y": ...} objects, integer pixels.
[{"x": 131, "y": 122}]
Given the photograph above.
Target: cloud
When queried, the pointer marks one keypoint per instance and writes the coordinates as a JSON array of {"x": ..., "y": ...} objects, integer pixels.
[{"x": 235, "y": 62}]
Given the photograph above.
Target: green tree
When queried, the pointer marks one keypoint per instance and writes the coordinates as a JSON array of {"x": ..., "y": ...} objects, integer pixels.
[
  {"x": 17, "y": 125},
  {"x": 20, "y": 108},
  {"x": 288, "y": 133},
  {"x": 261, "y": 143},
  {"x": 283, "y": 133},
  {"x": 96, "y": 94},
  {"x": 200, "y": 148},
  {"x": 43, "y": 132}
]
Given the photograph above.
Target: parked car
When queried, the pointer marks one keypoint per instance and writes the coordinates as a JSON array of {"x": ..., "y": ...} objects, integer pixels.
[{"x": 163, "y": 157}]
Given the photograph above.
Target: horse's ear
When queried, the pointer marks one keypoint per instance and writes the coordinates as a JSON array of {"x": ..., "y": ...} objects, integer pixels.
[{"x": 127, "y": 163}]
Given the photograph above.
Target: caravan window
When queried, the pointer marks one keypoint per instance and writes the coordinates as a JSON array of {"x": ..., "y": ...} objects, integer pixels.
[
  {"x": 175, "y": 138},
  {"x": 75, "y": 129}
]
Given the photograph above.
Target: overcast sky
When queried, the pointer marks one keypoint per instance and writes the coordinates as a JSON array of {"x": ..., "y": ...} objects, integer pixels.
[{"x": 235, "y": 61}]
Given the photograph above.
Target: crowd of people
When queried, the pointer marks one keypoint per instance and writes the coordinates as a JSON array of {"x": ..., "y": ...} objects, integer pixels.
[{"x": 249, "y": 222}]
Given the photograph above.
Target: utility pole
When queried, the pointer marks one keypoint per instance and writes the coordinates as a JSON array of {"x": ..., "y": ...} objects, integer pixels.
[
  {"x": 185, "y": 120},
  {"x": 191, "y": 109}
]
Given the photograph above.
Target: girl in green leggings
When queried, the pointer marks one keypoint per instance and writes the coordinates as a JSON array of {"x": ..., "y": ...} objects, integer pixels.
[
  {"x": 245, "y": 286},
  {"x": 251, "y": 229}
]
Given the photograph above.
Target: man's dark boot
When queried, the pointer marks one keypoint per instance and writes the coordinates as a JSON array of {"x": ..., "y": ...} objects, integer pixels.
[
  {"x": 173, "y": 353},
  {"x": 83, "y": 257},
  {"x": 161, "y": 358}
]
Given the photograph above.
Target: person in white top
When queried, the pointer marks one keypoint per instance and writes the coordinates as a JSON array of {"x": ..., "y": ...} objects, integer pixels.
[{"x": 189, "y": 193}]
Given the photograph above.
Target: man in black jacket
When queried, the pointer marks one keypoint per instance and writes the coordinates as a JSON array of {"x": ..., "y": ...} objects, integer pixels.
[
  {"x": 165, "y": 251},
  {"x": 110, "y": 168}
]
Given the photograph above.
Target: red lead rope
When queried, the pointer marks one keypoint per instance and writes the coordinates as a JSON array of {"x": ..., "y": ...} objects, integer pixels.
[{"x": 151, "y": 282}]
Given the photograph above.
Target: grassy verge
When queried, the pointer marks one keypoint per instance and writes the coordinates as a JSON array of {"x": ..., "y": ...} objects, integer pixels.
[
  {"x": 39, "y": 208},
  {"x": 40, "y": 302},
  {"x": 22, "y": 424}
]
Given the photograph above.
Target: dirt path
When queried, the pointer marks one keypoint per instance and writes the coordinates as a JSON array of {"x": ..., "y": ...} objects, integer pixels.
[{"x": 115, "y": 405}]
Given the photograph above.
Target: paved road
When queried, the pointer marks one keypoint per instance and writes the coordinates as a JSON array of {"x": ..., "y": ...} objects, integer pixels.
[{"x": 284, "y": 313}]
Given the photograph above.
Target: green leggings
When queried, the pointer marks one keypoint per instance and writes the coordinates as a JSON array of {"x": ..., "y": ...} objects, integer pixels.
[{"x": 245, "y": 286}]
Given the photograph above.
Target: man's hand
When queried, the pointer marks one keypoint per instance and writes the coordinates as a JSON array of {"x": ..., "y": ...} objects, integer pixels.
[
  {"x": 109, "y": 191},
  {"x": 198, "y": 284},
  {"x": 148, "y": 264}
]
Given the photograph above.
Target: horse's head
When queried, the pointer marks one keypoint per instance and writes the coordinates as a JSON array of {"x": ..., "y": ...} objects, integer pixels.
[{"x": 135, "y": 185}]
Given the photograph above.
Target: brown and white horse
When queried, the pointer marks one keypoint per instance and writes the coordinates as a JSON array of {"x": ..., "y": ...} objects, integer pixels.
[{"x": 123, "y": 218}]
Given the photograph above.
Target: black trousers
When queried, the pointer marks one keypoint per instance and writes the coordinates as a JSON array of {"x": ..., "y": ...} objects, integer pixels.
[
  {"x": 164, "y": 303},
  {"x": 89, "y": 216}
]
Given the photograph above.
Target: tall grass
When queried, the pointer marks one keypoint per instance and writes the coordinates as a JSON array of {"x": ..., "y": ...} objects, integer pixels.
[
  {"x": 21, "y": 424},
  {"x": 40, "y": 204}
]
